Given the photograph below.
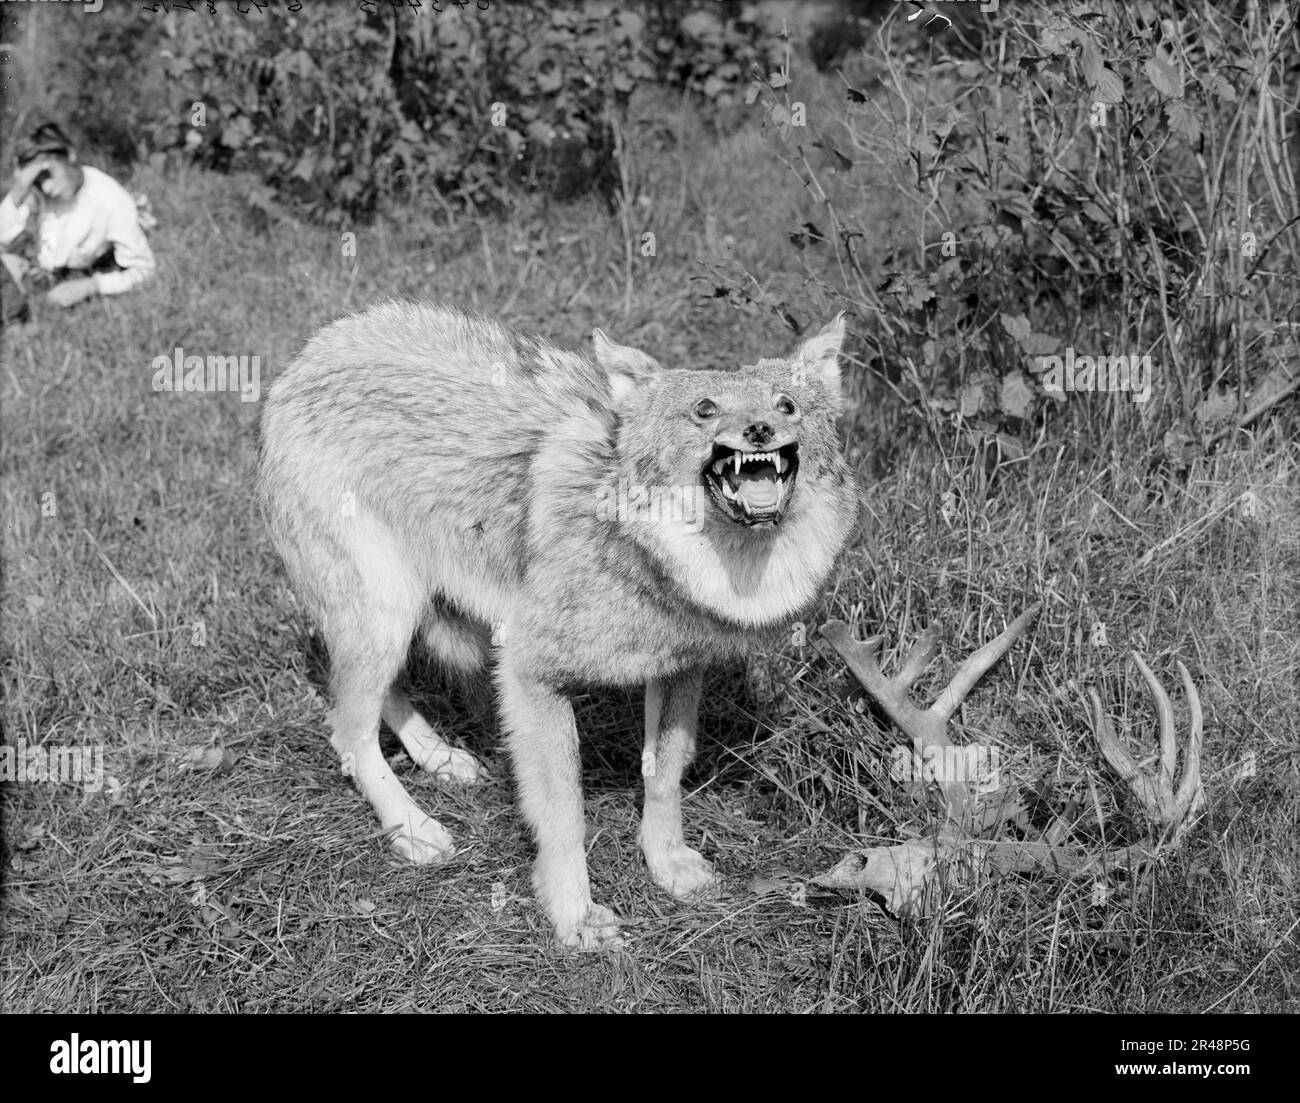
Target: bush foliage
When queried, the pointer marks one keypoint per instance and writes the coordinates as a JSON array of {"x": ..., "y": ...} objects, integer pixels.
[
  {"x": 1108, "y": 179},
  {"x": 341, "y": 109}
]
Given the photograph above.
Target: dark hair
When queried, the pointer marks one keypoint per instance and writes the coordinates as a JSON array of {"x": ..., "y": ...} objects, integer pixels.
[{"x": 47, "y": 140}]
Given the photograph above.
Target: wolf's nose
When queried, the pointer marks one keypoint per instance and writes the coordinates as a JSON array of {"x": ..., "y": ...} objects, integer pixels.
[{"x": 759, "y": 434}]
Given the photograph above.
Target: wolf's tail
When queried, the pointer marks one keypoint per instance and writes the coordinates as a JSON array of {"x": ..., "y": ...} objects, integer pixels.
[{"x": 461, "y": 643}]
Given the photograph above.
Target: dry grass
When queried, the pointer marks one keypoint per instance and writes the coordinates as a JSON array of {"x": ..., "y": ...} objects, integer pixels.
[{"x": 231, "y": 867}]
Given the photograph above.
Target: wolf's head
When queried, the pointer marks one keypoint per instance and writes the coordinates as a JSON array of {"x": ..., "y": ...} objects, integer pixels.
[{"x": 742, "y": 440}]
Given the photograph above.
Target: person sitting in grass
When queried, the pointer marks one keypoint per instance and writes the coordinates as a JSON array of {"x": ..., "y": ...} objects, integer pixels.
[{"x": 87, "y": 229}]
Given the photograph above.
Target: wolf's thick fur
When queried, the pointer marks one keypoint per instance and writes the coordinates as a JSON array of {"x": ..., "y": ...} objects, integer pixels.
[{"x": 428, "y": 473}]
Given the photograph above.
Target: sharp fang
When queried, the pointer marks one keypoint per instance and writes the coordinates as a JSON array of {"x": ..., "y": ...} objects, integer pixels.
[
  {"x": 739, "y": 461},
  {"x": 783, "y": 465}
]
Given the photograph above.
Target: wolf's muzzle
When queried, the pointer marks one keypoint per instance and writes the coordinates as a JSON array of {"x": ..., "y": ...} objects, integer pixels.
[{"x": 752, "y": 487}]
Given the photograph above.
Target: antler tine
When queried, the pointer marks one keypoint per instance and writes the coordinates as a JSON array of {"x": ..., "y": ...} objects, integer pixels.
[
  {"x": 1156, "y": 793},
  {"x": 1165, "y": 711},
  {"x": 978, "y": 664},
  {"x": 927, "y": 728},
  {"x": 1190, "y": 793},
  {"x": 1120, "y": 761},
  {"x": 918, "y": 658},
  {"x": 863, "y": 660}
]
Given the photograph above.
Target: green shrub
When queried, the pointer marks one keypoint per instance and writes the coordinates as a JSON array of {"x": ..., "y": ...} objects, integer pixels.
[
  {"x": 340, "y": 111},
  {"x": 1115, "y": 182}
]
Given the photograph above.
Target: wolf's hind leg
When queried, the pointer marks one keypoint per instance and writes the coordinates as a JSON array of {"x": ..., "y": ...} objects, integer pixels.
[
  {"x": 672, "y": 707},
  {"x": 427, "y": 749},
  {"x": 543, "y": 741},
  {"x": 371, "y": 605},
  {"x": 359, "y": 694}
]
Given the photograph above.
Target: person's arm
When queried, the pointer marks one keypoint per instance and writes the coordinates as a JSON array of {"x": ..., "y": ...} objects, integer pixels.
[
  {"x": 16, "y": 207},
  {"x": 131, "y": 252},
  {"x": 13, "y": 220}
]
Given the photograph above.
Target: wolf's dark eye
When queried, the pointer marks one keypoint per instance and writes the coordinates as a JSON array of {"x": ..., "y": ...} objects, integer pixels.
[
  {"x": 785, "y": 405},
  {"x": 706, "y": 408}
]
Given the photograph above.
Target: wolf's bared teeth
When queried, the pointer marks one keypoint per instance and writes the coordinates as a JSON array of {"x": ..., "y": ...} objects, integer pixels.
[
  {"x": 717, "y": 467},
  {"x": 739, "y": 461},
  {"x": 782, "y": 464}
]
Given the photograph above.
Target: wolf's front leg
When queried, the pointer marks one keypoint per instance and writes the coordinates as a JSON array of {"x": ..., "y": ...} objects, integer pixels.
[
  {"x": 672, "y": 707},
  {"x": 543, "y": 741}
]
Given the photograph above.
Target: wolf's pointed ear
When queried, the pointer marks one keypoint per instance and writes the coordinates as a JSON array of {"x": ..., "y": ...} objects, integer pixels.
[
  {"x": 627, "y": 368},
  {"x": 819, "y": 355}
]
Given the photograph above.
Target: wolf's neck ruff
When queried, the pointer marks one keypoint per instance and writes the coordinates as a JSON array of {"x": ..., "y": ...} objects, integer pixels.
[{"x": 752, "y": 578}]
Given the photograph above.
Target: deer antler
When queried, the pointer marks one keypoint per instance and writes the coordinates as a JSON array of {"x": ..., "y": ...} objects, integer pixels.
[
  {"x": 902, "y": 872},
  {"x": 1156, "y": 793},
  {"x": 928, "y": 728}
]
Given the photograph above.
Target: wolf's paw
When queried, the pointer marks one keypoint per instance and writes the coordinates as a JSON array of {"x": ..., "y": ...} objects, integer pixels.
[
  {"x": 598, "y": 930},
  {"x": 423, "y": 840},
  {"x": 682, "y": 871},
  {"x": 449, "y": 763}
]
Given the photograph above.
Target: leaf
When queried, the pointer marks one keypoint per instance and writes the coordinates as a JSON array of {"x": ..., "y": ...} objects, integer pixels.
[
  {"x": 854, "y": 96},
  {"x": 1090, "y": 61},
  {"x": 1215, "y": 409},
  {"x": 806, "y": 235},
  {"x": 306, "y": 166},
  {"x": 1180, "y": 446},
  {"x": 701, "y": 24},
  {"x": 1167, "y": 77},
  {"x": 1040, "y": 344},
  {"x": 237, "y": 134},
  {"x": 203, "y": 758},
  {"x": 1017, "y": 325},
  {"x": 550, "y": 80},
  {"x": 923, "y": 144},
  {"x": 1183, "y": 120},
  {"x": 1109, "y": 88},
  {"x": 1016, "y": 396},
  {"x": 629, "y": 25},
  {"x": 1057, "y": 35},
  {"x": 972, "y": 398},
  {"x": 838, "y": 162},
  {"x": 1031, "y": 343},
  {"x": 1218, "y": 86},
  {"x": 1279, "y": 381}
]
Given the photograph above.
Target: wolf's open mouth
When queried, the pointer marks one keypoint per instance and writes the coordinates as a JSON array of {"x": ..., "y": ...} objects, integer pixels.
[{"x": 752, "y": 488}]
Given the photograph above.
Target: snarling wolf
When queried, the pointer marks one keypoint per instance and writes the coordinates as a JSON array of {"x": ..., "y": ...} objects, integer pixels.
[{"x": 570, "y": 519}]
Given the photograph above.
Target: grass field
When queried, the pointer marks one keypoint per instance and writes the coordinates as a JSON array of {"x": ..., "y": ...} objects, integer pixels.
[{"x": 226, "y": 865}]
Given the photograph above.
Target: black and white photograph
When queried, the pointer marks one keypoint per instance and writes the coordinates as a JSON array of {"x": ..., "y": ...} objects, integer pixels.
[{"x": 658, "y": 507}]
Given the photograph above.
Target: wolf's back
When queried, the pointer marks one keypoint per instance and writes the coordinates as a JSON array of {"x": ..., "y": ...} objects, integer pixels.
[{"x": 431, "y": 421}]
